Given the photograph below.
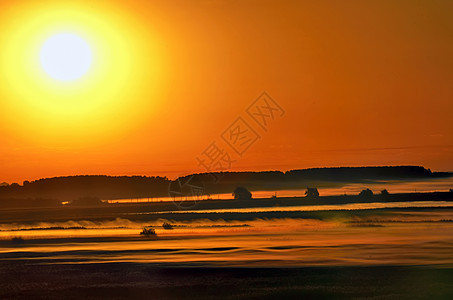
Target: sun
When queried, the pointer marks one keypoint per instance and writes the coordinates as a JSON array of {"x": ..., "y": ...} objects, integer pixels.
[
  {"x": 66, "y": 57},
  {"x": 74, "y": 75}
]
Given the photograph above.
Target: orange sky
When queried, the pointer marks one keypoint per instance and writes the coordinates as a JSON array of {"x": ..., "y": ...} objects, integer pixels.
[{"x": 361, "y": 83}]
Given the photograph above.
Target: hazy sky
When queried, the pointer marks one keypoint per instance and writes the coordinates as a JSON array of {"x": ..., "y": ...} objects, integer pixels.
[{"x": 361, "y": 83}]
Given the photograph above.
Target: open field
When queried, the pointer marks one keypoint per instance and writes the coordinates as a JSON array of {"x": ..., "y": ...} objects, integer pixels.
[
  {"x": 134, "y": 210},
  {"x": 147, "y": 281},
  {"x": 385, "y": 250}
]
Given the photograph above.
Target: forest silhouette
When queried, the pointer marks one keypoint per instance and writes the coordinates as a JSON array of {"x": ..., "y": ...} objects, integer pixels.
[{"x": 85, "y": 188}]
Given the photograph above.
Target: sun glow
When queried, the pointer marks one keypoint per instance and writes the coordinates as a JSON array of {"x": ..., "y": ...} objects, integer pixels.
[
  {"x": 66, "y": 57},
  {"x": 74, "y": 74}
]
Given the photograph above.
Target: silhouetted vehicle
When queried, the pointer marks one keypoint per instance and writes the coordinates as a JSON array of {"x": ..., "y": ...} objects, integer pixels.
[
  {"x": 311, "y": 193},
  {"x": 241, "y": 193},
  {"x": 167, "y": 226},
  {"x": 366, "y": 193},
  {"x": 148, "y": 231}
]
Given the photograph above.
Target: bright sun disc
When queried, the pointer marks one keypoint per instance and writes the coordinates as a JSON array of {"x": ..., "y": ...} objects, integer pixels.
[{"x": 66, "y": 57}]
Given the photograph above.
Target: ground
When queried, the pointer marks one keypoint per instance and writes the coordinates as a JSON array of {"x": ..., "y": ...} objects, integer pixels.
[{"x": 25, "y": 280}]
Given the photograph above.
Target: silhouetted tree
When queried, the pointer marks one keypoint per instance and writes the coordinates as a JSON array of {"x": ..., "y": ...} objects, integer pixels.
[
  {"x": 451, "y": 190},
  {"x": 384, "y": 192},
  {"x": 167, "y": 226},
  {"x": 241, "y": 193},
  {"x": 148, "y": 231},
  {"x": 366, "y": 193},
  {"x": 311, "y": 193}
]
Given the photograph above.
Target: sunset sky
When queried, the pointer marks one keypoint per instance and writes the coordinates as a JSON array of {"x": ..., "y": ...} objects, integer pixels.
[{"x": 360, "y": 83}]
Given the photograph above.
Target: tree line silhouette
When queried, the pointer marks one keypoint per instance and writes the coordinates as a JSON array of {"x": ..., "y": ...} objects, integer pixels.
[
  {"x": 71, "y": 188},
  {"x": 84, "y": 189},
  {"x": 225, "y": 182}
]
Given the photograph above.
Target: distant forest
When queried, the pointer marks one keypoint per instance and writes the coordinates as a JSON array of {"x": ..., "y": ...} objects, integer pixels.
[
  {"x": 51, "y": 191},
  {"x": 101, "y": 186},
  {"x": 318, "y": 177}
]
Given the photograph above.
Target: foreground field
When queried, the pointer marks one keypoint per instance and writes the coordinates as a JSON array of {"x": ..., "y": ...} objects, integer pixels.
[
  {"x": 148, "y": 281},
  {"x": 320, "y": 252}
]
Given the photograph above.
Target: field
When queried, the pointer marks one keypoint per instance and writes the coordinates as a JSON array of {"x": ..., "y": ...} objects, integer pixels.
[{"x": 389, "y": 250}]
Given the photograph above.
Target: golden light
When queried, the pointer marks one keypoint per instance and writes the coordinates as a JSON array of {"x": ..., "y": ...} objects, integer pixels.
[{"x": 73, "y": 73}]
